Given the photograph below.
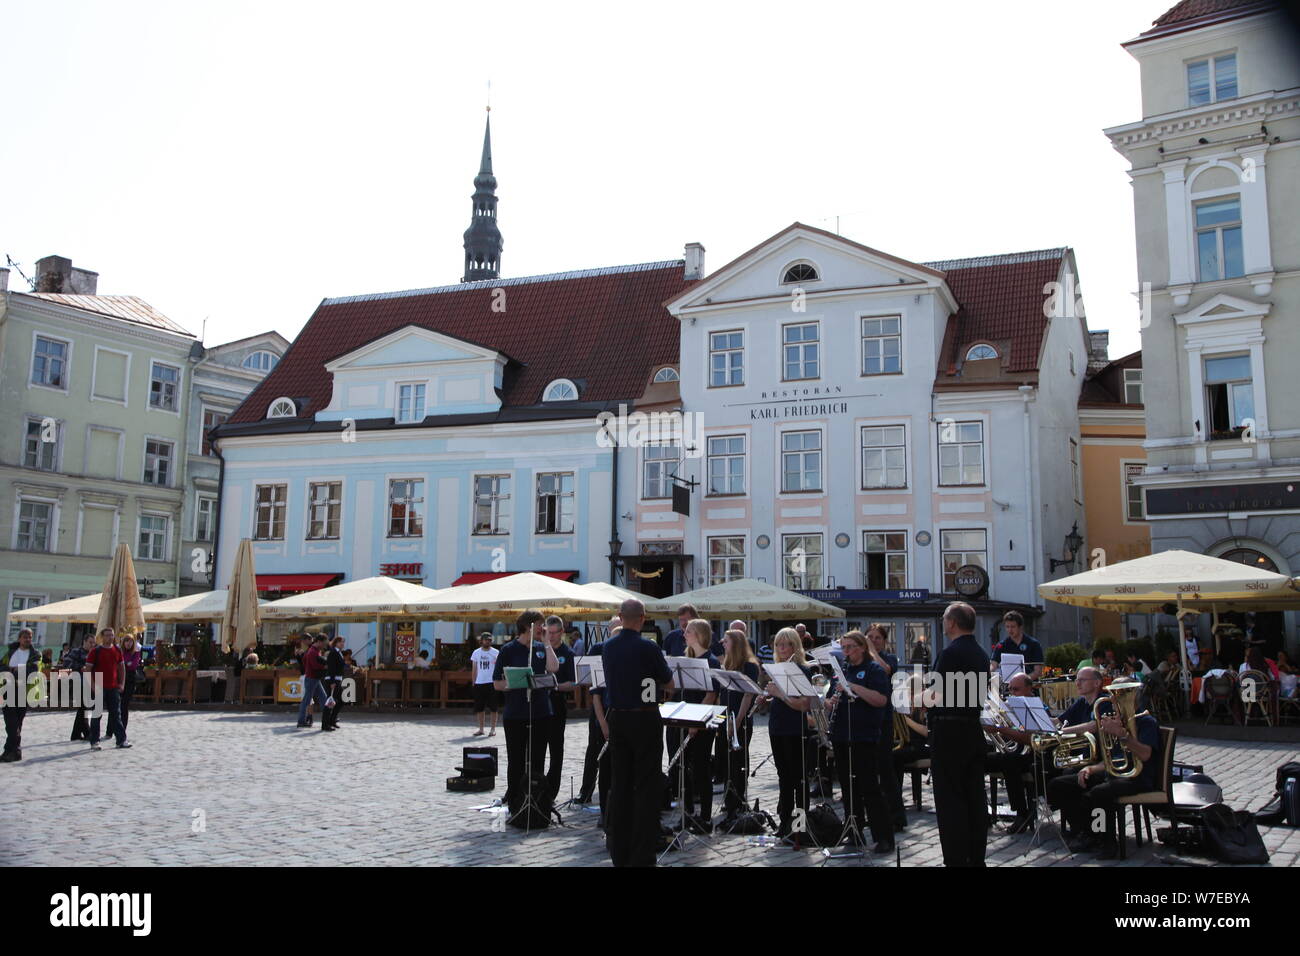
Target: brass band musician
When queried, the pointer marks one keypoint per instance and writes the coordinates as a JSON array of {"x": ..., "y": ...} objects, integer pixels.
[{"x": 1014, "y": 764}]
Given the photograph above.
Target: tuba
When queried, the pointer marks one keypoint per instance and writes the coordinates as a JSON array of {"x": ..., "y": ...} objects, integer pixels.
[
  {"x": 1069, "y": 751},
  {"x": 1121, "y": 704}
]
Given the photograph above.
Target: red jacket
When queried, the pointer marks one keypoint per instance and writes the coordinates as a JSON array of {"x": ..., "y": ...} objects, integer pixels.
[{"x": 312, "y": 664}]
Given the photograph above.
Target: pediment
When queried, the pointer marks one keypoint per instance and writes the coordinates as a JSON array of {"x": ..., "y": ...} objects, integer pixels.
[
  {"x": 412, "y": 345},
  {"x": 1225, "y": 308}
]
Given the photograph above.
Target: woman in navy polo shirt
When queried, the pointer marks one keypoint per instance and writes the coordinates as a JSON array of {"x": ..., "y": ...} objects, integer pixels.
[
  {"x": 699, "y": 750},
  {"x": 739, "y": 656},
  {"x": 855, "y": 727},
  {"x": 787, "y": 725}
]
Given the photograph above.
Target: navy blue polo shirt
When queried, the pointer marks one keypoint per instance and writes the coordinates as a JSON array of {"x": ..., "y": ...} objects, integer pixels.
[
  {"x": 735, "y": 698},
  {"x": 567, "y": 672},
  {"x": 963, "y": 674},
  {"x": 516, "y": 654},
  {"x": 697, "y": 696},
  {"x": 629, "y": 660},
  {"x": 675, "y": 643},
  {"x": 1080, "y": 712},
  {"x": 855, "y": 720},
  {"x": 887, "y": 719},
  {"x": 783, "y": 720},
  {"x": 1029, "y": 648},
  {"x": 1148, "y": 732}
]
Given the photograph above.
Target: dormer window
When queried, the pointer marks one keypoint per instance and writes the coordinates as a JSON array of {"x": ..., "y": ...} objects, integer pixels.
[
  {"x": 282, "y": 408},
  {"x": 666, "y": 374},
  {"x": 262, "y": 361},
  {"x": 560, "y": 390},
  {"x": 980, "y": 352},
  {"x": 800, "y": 272}
]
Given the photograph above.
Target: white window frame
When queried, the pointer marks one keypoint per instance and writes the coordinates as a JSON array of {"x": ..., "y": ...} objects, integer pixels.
[
  {"x": 56, "y": 464},
  {"x": 559, "y": 383},
  {"x": 14, "y": 625},
  {"x": 780, "y": 461},
  {"x": 171, "y": 462},
  {"x": 415, "y": 504},
  {"x": 52, "y": 525},
  {"x": 863, "y": 338},
  {"x": 1212, "y": 67},
  {"x": 495, "y": 498},
  {"x": 283, "y": 507},
  {"x": 311, "y": 503},
  {"x": 37, "y": 334},
  {"x": 970, "y": 352},
  {"x": 802, "y": 345},
  {"x": 940, "y": 443},
  {"x": 166, "y": 535},
  {"x": 1217, "y": 230},
  {"x": 727, "y": 351},
  {"x": 199, "y": 500},
  {"x": 816, "y": 277},
  {"x": 819, "y": 582},
  {"x": 726, "y": 559},
  {"x": 274, "y": 360},
  {"x": 285, "y": 406},
  {"x": 904, "y": 551},
  {"x": 728, "y": 456},
  {"x": 125, "y": 400},
  {"x": 940, "y": 552},
  {"x": 663, "y": 466},
  {"x": 410, "y": 419},
  {"x": 1138, "y": 467},
  {"x": 1129, "y": 382},
  {"x": 180, "y": 388},
  {"x": 1207, "y": 430},
  {"x": 666, "y": 375},
  {"x": 862, "y": 457},
  {"x": 204, "y": 411},
  {"x": 572, "y": 496}
]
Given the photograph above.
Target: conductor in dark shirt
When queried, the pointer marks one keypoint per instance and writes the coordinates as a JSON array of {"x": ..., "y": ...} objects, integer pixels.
[
  {"x": 636, "y": 676},
  {"x": 957, "y": 740}
]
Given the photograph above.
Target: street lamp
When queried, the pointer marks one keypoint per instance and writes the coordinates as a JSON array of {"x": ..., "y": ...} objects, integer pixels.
[{"x": 1073, "y": 542}]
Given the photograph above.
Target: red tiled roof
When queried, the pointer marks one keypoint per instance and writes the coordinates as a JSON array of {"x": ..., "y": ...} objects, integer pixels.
[
  {"x": 606, "y": 329},
  {"x": 1001, "y": 301},
  {"x": 1191, "y": 9},
  {"x": 1106, "y": 385}
]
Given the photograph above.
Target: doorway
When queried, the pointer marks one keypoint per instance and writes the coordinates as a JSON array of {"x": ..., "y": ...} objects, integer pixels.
[{"x": 655, "y": 578}]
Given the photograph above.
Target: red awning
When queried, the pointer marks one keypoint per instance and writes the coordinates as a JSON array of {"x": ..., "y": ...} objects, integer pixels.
[
  {"x": 478, "y": 577},
  {"x": 295, "y": 582}
]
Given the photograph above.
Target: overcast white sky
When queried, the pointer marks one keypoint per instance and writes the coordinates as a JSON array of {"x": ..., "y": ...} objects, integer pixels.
[{"x": 238, "y": 162}]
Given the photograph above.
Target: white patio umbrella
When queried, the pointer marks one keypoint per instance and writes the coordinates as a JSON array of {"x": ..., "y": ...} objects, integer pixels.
[
  {"x": 507, "y": 596},
  {"x": 79, "y": 610},
  {"x": 205, "y": 606},
  {"x": 366, "y": 599},
  {"x": 745, "y": 597}
]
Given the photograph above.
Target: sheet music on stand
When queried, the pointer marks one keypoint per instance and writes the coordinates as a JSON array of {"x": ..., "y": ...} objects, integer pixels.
[
  {"x": 590, "y": 671},
  {"x": 690, "y": 673},
  {"x": 1010, "y": 665},
  {"x": 735, "y": 681},
  {"x": 700, "y": 715},
  {"x": 791, "y": 679},
  {"x": 1031, "y": 713},
  {"x": 822, "y": 654},
  {"x": 839, "y": 671}
]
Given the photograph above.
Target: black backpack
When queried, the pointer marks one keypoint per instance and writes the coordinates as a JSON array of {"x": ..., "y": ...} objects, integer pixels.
[
  {"x": 1284, "y": 808},
  {"x": 824, "y": 825},
  {"x": 749, "y": 822},
  {"x": 1232, "y": 837}
]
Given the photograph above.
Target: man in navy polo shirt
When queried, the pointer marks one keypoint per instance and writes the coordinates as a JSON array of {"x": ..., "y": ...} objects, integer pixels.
[
  {"x": 675, "y": 642},
  {"x": 565, "y": 678},
  {"x": 1018, "y": 642},
  {"x": 636, "y": 677},
  {"x": 525, "y": 726}
]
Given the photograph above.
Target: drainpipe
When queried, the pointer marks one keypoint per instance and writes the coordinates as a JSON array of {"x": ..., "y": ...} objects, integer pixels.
[
  {"x": 1026, "y": 395},
  {"x": 613, "y": 515},
  {"x": 216, "y": 524}
]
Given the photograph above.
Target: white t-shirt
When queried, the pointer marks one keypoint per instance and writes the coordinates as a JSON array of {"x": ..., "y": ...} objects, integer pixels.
[
  {"x": 19, "y": 658},
  {"x": 483, "y": 661}
]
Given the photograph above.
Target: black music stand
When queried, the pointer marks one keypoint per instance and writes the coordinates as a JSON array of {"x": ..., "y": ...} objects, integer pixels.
[
  {"x": 852, "y": 826},
  {"x": 675, "y": 715},
  {"x": 535, "y": 682},
  {"x": 740, "y": 683}
]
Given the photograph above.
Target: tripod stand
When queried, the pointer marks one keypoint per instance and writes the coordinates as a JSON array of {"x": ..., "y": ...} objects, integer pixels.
[
  {"x": 684, "y": 836},
  {"x": 531, "y": 803}
]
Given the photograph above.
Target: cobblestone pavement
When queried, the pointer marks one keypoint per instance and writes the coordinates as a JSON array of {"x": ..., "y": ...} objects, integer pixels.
[{"x": 269, "y": 794}]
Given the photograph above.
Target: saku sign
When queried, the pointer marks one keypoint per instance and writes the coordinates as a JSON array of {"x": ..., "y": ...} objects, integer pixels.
[{"x": 846, "y": 594}]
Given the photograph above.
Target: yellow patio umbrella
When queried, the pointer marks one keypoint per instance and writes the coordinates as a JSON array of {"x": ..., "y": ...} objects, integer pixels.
[
  {"x": 241, "y": 617},
  {"x": 119, "y": 605}
]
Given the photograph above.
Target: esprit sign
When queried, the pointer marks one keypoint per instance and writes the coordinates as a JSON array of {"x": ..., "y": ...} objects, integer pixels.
[{"x": 401, "y": 570}]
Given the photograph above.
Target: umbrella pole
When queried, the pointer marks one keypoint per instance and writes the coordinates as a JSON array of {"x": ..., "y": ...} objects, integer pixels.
[{"x": 1182, "y": 652}]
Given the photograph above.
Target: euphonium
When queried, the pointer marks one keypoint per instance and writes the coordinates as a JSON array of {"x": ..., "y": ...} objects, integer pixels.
[
  {"x": 1123, "y": 706},
  {"x": 1069, "y": 751},
  {"x": 1001, "y": 718},
  {"x": 902, "y": 733}
]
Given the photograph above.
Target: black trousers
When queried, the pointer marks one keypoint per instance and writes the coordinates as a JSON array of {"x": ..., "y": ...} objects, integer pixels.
[
  {"x": 14, "y": 729},
  {"x": 673, "y": 740},
  {"x": 128, "y": 692},
  {"x": 595, "y": 776},
  {"x": 699, "y": 774},
  {"x": 525, "y": 751},
  {"x": 1077, "y": 805},
  {"x": 636, "y": 751},
  {"x": 889, "y": 781},
  {"x": 555, "y": 726},
  {"x": 721, "y": 744},
  {"x": 860, "y": 792},
  {"x": 960, "y": 804},
  {"x": 1013, "y": 766},
  {"x": 80, "y": 726},
  {"x": 333, "y": 688},
  {"x": 737, "y": 791},
  {"x": 787, "y": 754}
]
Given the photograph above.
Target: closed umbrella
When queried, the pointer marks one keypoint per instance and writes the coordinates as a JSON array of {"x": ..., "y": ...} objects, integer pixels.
[
  {"x": 119, "y": 606},
  {"x": 240, "y": 617}
]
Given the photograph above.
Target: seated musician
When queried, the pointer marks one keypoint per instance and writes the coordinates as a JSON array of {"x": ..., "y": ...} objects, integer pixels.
[
  {"x": 1077, "y": 718},
  {"x": 1078, "y": 795},
  {"x": 918, "y": 733},
  {"x": 1014, "y": 764}
]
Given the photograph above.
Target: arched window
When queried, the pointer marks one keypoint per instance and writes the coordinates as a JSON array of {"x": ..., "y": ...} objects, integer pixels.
[
  {"x": 1251, "y": 558},
  {"x": 262, "y": 361},
  {"x": 666, "y": 374},
  {"x": 978, "y": 352},
  {"x": 801, "y": 272},
  {"x": 560, "y": 390},
  {"x": 282, "y": 408}
]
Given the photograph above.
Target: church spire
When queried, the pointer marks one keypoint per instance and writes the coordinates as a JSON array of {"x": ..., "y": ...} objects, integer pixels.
[{"x": 483, "y": 238}]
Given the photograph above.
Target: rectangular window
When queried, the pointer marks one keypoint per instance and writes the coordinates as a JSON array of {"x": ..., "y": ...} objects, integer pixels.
[
  {"x": 801, "y": 461},
  {"x": 410, "y": 403},
  {"x": 324, "y": 504},
  {"x": 882, "y": 346},
  {"x": 961, "y": 453},
  {"x": 726, "y": 359},
  {"x": 960, "y": 548},
  {"x": 205, "y": 513},
  {"x": 884, "y": 456},
  {"x": 211, "y": 420},
  {"x": 726, "y": 465},
  {"x": 1133, "y": 503},
  {"x": 268, "y": 518},
  {"x": 41, "y": 446},
  {"x": 802, "y": 349},
  {"x": 1218, "y": 239},
  {"x": 658, "y": 464},
  {"x": 491, "y": 504},
  {"x": 35, "y": 519},
  {"x": 884, "y": 560},
  {"x": 726, "y": 559},
  {"x": 1212, "y": 80},
  {"x": 1229, "y": 395},
  {"x": 801, "y": 558},
  {"x": 1133, "y": 386},
  {"x": 163, "y": 383},
  {"x": 153, "y": 538},
  {"x": 21, "y": 602},
  {"x": 50, "y": 363},
  {"x": 157, "y": 462},
  {"x": 555, "y": 502},
  {"x": 1074, "y": 471},
  {"x": 405, "y": 502}
]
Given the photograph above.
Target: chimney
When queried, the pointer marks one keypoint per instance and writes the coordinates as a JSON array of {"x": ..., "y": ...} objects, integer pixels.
[
  {"x": 694, "y": 260},
  {"x": 57, "y": 274},
  {"x": 1098, "y": 349},
  {"x": 4, "y": 280}
]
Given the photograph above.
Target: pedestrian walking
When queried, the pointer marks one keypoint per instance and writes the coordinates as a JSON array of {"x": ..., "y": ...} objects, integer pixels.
[{"x": 105, "y": 662}]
